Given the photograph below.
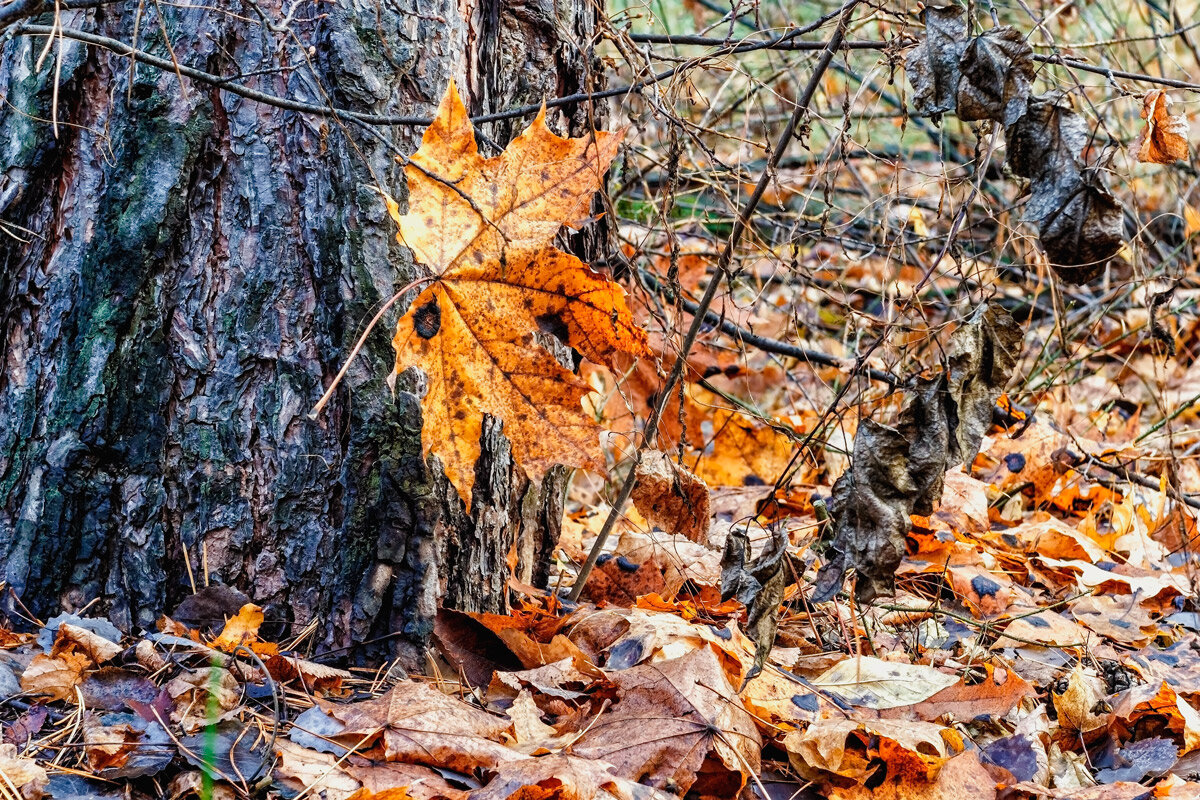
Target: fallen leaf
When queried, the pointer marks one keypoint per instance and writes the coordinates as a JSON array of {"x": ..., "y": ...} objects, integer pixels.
[
  {"x": 242, "y": 630},
  {"x": 1152, "y": 709},
  {"x": 1077, "y": 703},
  {"x": 485, "y": 228},
  {"x": 915, "y": 751},
  {"x": 962, "y": 776},
  {"x": 419, "y": 725},
  {"x": 996, "y": 694},
  {"x": 23, "y": 774},
  {"x": 677, "y": 724},
  {"x": 874, "y": 683},
  {"x": 57, "y": 676},
  {"x": 93, "y": 645}
]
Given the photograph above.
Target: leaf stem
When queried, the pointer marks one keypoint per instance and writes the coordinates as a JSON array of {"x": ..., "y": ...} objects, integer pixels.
[
  {"x": 722, "y": 270},
  {"x": 325, "y": 398}
]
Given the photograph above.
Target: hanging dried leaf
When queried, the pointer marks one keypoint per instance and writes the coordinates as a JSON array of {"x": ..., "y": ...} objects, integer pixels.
[
  {"x": 1080, "y": 224},
  {"x": 758, "y": 585},
  {"x": 898, "y": 471},
  {"x": 981, "y": 356},
  {"x": 933, "y": 66},
  {"x": 485, "y": 228},
  {"x": 997, "y": 76},
  {"x": 893, "y": 472},
  {"x": 1164, "y": 140},
  {"x": 1084, "y": 233},
  {"x": 671, "y": 497}
]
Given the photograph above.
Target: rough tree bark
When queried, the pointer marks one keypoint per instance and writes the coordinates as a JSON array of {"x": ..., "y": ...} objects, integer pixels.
[{"x": 183, "y": 270}]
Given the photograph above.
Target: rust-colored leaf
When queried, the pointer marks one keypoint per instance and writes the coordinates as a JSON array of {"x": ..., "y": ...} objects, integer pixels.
[{"x": 1164, "y": 139}]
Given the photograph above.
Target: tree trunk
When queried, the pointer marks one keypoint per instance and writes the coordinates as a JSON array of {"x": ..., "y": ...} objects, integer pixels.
[{"x": 183, "y": 270}]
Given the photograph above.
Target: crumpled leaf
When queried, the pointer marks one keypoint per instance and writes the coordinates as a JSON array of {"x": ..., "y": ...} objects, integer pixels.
[
  {"x": 677, "y": 723},
  {"x": 1161, "y": 709},
  {"x": 758, "y": 585},
  {"x": 671, "y": 497},
  {"x": 125, "y": 745},
  {"x": 55, "y": 676},
  {"x": 1164, "y": 140},
  {"x": 898, "y": 471},
  {"x": 997, "y": 77},
  {"x": 1081, "y": 225},
  {"x": 981, "y": 355},
  {"x": 932, "y": 67},
  {"x": 1077, "y": 703},
  {"x": 986, "y": 77},
  {"x": 485, "y": 229},
  {"x": 849, "y": 747}
]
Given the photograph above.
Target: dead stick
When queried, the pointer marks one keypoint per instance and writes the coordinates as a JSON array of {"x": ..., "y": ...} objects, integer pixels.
[{"x": 723, "y": 262}]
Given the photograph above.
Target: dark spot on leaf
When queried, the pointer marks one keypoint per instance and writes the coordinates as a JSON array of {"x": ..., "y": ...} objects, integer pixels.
[
  {"x": 1015, "y": 462},
  {"x": 553, "y": 324},
  {"x": 983, "y": 586},
  {"x": 806, "y": 702},
  {"x": 427, "y": 320},
  {"x": 724, "y": 634},
  {"x": 1037, "y": 622}
]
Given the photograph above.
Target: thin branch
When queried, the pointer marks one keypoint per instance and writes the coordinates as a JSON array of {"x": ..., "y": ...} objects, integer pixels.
[{"x": 722, "y": 270}]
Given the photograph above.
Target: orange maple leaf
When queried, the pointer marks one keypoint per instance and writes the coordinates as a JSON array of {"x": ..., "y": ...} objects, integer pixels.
[{"x": 485, "y": 227}]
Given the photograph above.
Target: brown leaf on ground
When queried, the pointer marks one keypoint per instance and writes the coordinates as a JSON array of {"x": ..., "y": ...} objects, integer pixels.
[
  {"x": 93, "y": 645},
  {"x": 960, "y": 777},
  {"x": 1165, "y": 137},
  {"x": 1157, "y": 710},
  {"x": 874, "y": 683},
  {"x": 387, "y": 780},
  {"x": 997, "y": 693},
  {"x": 300, "y": 769},
  {"x": 24, "y": 775},
  {"x": 55, "y": 676},
  {"x": 617, "y": 581},
  {"x": 677, "y": 724},
  {"x": 485, "y": 228},
  {"x": 671, "y": 497},
  {"x": 1078, "y": 703},
  {"x": 191, "y": 692},
  {"x": 309, "y": 675},
  {"x": 419, "y": 725},
  {"x": 563, "y": 777},
  {"x": 912, "y": 751}
]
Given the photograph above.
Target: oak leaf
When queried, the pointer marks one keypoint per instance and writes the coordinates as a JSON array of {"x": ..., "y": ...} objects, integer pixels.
[{"x": 484, "y": 227}]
